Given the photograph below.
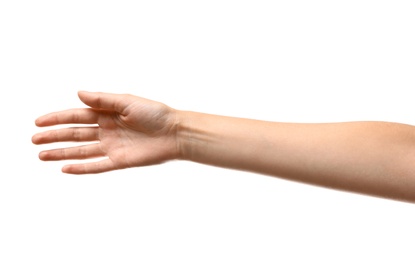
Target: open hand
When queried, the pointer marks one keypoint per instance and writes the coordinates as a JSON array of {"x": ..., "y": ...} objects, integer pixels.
[{"x": 128, "y": 130}]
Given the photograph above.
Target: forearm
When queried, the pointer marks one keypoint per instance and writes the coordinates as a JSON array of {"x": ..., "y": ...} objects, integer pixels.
[{"x": 367, "y": 157}]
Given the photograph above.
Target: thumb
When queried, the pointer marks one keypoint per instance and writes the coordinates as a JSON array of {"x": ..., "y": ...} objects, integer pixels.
[{"x": 106, "y": 101}]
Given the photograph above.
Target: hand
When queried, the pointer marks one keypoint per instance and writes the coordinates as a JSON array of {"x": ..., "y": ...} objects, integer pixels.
[{"x": 131, "y": 131}]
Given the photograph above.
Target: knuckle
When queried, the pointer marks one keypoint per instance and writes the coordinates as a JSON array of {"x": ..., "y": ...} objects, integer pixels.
[
  {"x": 82, "y": 153},
  {"x": 55, "y": 135},
  {"x": 63, "y": 154},
  {"x": 76, "y": 134},
  {"x": 75, "y": 117}
]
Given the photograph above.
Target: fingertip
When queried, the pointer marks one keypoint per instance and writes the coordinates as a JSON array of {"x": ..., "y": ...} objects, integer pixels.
[
  {"x": 43, "y": 156},
  {"x": 66, "y": 169},
  {"x": 81, "y": 92},
  {"x": 38, "y": 122},
  {"x": 42, "y": 121},
  {"x": 86, "y": 97},
  {"x": 75, "y": 169},
  {"x": 35, "y": 139}
]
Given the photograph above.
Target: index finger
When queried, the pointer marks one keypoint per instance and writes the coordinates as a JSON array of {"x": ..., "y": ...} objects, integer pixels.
[{"x": 70, "y": 116}]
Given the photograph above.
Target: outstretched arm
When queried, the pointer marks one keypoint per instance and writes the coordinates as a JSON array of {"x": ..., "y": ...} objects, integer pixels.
[{"x": 374, "y": 158}]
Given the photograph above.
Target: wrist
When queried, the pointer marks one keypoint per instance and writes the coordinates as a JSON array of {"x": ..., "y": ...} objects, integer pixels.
[
  {"x": 203, "y": 138},
  {"x": 184, "y": 134}
]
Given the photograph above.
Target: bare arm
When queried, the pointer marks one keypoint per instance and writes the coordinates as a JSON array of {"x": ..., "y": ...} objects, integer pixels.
[{"x": 373, "y": 158}]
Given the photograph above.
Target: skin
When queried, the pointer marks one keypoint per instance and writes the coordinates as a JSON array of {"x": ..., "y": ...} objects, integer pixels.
[{"x": 372, "y": 158}]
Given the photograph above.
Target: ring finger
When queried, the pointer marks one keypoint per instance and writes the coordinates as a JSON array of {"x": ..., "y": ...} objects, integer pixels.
[{"x": 73, "y": 153}]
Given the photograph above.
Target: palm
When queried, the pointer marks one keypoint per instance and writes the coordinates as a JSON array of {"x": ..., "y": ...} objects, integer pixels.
[{"x": 145, "y": 135}]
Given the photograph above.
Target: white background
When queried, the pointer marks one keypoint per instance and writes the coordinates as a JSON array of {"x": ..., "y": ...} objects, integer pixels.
[{"x": 297, "y": 61}]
